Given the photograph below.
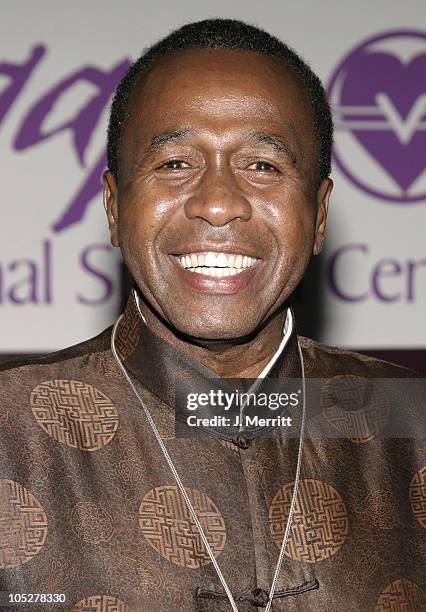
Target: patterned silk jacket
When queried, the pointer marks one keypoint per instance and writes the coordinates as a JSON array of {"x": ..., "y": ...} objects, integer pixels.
[{"x": 90, "y": 508}]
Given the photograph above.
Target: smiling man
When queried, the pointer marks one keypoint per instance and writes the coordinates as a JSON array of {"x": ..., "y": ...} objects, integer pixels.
[{"x": 217, "y": 194}]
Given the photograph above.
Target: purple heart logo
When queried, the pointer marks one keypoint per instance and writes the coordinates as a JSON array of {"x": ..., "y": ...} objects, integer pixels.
[{"x": 378, "y": 96}]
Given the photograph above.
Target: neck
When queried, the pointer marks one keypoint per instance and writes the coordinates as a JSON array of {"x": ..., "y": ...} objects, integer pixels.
[{"x": 240, "y": 358}]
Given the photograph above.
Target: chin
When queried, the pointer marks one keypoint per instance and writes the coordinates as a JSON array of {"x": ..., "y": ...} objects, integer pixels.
[{"x": 213, "y": 331}]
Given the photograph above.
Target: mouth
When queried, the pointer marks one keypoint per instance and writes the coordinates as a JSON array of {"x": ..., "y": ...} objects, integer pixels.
[
  {"x": 217, "y": 272},
  {"x": 218, "y": 265}
]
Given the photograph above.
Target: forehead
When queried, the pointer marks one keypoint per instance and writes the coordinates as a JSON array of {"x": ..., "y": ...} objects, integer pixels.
[{"x": 223, "y": 89}]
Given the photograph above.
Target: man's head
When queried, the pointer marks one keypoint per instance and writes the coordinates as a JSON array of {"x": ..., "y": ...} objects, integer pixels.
[
  {"x": 219, "y": 142},
  {"x": 223, "y": 34}
]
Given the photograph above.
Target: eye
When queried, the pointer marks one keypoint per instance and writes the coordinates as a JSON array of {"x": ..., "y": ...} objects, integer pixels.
[
  {"x": 263, "y": 166},
  {"x": 173, "y": 164}
]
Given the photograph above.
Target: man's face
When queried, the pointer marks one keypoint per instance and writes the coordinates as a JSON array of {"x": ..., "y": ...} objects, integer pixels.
[{"x": 217, "y": 210}]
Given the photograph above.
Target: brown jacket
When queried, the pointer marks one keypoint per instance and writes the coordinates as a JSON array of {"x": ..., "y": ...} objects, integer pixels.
[{"x": 89, "y": 507}]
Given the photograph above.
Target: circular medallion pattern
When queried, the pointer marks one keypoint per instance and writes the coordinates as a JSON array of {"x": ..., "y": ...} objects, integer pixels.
[
  {"x": 167, "y": 525},
  {"x": 130, "y": 471},
  {"x": 74, "y": 413},
  {"x": 367, "y": 564},
  {"x": 23, "y": 524},
  {"x": 417, "y": 496},
  {"x": 356, "y": 407},
  {"x": 109, "y": 366},
  {"x": 320, "y": 520},
  {"x": 92, "y": 523},
  {"x": 401, "y": 596}
]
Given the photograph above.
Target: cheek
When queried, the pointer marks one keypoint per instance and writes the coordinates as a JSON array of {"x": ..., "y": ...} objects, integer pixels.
[
  {"x": 142, "y": 217},
  {"x": 294, "y": 220}
]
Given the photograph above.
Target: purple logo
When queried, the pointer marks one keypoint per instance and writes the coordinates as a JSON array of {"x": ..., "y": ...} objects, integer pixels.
[
  {"x": 378, "y": 98},
  {"x": 32, "y": 131}
]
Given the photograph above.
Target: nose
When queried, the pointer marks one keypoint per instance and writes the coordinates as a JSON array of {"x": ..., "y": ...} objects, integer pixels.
[{"x": 218, "y": 199}]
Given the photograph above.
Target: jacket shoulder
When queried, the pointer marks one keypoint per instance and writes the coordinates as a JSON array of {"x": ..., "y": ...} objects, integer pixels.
[
  {"x": 323, "y": 360},
  {"x": 75, "y": 356}
]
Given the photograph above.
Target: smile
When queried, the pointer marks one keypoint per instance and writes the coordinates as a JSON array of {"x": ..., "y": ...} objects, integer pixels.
[{"x": 215, "y": 264}]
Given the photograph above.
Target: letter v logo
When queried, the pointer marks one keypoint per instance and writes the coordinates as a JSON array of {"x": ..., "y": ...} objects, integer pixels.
[{"x": 403, "y": 128}]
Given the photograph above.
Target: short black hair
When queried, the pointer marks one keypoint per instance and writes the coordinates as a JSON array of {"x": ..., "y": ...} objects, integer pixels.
[{"x": 223, "y": 34}]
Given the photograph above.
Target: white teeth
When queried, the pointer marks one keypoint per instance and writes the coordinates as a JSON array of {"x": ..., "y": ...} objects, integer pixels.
[
  {"x": 221, "y": 260},
  {"x": 215, "y": 271},
  {"x": 238, "y": 261},
  {"x": 210, "y": 259},
  {"x": 216, "y": 264}
]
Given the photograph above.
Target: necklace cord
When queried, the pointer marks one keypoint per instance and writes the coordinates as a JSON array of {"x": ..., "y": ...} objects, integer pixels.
[
  {"x": 296, "y": 486},
  {"x": 185, "y": 495}
]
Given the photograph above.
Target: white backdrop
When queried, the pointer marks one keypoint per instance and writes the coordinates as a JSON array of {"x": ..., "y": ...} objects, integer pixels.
[{"x": 59, "y": 61}]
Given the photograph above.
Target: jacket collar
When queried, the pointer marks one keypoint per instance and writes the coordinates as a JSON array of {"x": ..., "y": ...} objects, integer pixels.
[{"x": 159, "y": 366}]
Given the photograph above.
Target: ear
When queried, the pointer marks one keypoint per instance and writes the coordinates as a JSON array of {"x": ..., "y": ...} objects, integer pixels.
[
  {"x": 323, "y": 198},
  {"x": 110, "y": 205}
]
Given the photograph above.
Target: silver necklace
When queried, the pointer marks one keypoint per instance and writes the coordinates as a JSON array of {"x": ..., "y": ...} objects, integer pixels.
[{"x": 185, "y": 495}]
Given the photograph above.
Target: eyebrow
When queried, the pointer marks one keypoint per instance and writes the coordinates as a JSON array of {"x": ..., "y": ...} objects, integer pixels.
[
  {"x": 272, "y": 140},
  {"x": 276, "y": 142},
  {"x": 163, "y": 138}
]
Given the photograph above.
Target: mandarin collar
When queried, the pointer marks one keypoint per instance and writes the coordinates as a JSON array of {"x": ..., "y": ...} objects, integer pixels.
[{"x": 158, "y": 365}]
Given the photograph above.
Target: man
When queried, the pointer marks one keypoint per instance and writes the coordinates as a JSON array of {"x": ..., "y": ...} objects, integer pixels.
[{"x": 217, "y": 194}]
